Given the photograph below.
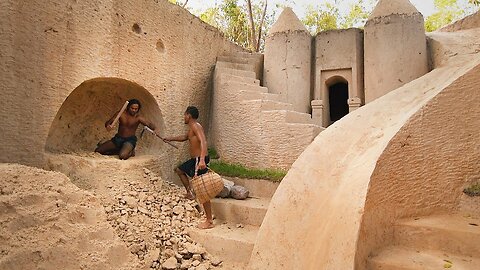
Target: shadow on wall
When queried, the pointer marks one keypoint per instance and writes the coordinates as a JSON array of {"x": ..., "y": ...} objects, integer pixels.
[{"x": 79, "y": 124}]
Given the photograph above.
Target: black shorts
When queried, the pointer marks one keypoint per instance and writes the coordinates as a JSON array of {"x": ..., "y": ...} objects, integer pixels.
[
  {"x": 188, "y": 166},
  {"x": 120, "y": 141}
]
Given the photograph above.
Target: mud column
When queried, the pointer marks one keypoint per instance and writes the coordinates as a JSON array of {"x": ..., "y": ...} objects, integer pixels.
[
  {"x": 287, "y": 68},
  {"x": 317, "y": 112},
  {"x": 354, "y": 103},
  {"x": 395, "y": 47}
]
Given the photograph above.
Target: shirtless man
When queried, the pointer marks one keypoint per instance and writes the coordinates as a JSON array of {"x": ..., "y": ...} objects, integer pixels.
[
  {"x": 125, "y": 140},
  {"x": 198, "y": 152}
]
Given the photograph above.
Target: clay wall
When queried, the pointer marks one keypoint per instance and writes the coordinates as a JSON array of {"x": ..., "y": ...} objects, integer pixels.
[
  {"x": 469, "y": 22},
  {"x": 426, "y": 166},
  {"x": 338, "y": 49},
  {"x": 339, "y": 56},
  {"x": 49, "y": 48}
]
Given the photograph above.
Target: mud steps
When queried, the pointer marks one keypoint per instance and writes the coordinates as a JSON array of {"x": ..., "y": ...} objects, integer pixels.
[
  {"x": 244, "y": 61},
  {"x": 236, "y": 224},
  {"x": 266, "y": 117},
  {"x": 250, "y": 211},
  {"x": 228, "y": 242},
  {"x": 397, "y": 258},
  {"x": 432, "y": 242}
]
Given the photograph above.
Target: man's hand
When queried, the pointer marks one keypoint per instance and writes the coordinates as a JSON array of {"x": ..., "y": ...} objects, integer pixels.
[
  {"x": 201, "y": 164},
  {"x": 109, "y": 127}
]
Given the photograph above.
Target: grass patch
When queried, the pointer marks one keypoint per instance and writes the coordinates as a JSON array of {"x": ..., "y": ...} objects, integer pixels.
[
  {"x": 236, "y": 170},
  {"x": 473, "y": 190},
  {"x": 213, "y": 153}
]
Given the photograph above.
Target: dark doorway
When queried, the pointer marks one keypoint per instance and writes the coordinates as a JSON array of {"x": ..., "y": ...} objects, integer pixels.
[{"x": 338, "y": 98}]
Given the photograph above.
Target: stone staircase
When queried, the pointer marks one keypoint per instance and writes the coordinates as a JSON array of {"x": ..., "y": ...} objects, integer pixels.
[
  {"x": 432, "y": 242},
  {"x": 236, "y": 224},
  {"x": 251, "y": 126}
]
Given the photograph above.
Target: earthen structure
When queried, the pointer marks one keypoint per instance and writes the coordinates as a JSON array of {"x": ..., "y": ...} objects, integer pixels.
[
  {"x": 395, "y": 47},
  {"x": 250, "y": 125},
  {"x": 338, "y": 75},
  {"x": 389, "y": 196},
  {"x": 350, "y": 67},
  {"x": 287, "y": 70},
  {"x": 68, "y": 66},
  {"x": 380, "y": 188}
]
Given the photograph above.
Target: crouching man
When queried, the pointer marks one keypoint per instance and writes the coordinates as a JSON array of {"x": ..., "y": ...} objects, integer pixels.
[{"x": 124, "y": 142}]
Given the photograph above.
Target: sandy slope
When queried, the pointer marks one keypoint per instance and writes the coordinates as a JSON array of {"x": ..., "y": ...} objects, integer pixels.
[{"x": 46, "y": 222}]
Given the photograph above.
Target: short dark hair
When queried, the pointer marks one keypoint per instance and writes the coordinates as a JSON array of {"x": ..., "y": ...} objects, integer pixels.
[
  {"x": 193, "y": 111},
  {"x": 134, "y": 101}
]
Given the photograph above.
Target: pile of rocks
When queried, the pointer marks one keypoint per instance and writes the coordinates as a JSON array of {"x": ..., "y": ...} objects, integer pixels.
[
  {"x": 230, "y": 190},
  {"x": 153, "y": 219}
]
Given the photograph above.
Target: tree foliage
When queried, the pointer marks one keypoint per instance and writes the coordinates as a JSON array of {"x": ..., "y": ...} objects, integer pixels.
[
  {"x": 475, "y": 2},
  {"x": 245, "y": 22},
  {"x": 357, "y": 15},
  {"x": 328, "y": 16},
  {"x": 235, "y": 21},
  {"x": 448, "y": 11},
  {"x": 322, "y": 18},
  {"x": 180, "y": 3}
]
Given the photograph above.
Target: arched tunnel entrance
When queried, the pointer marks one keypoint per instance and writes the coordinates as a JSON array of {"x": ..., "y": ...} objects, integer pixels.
[
  {"x": 79, "y": 124},
  {"x": 338, "y": 100}
]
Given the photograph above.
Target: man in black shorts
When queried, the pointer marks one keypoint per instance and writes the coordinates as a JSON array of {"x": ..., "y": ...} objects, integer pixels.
[
  {"x": 199, "y": 160},
  {"x": 125, "y": 140},
  {"x": 188, "y": 167}
]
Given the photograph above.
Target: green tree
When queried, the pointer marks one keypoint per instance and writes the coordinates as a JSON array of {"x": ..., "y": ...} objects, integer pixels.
[
  {"x": 357, "y": 15},
  {"x": 244, "y": 24},
  {"x": 256, "y": 18},
  {"x": 211, "y": 16},
  {"x": 235, "y": 22},
  {"x": 448, "y": 11},
  {"x": 328, "y": 16},
  {"x": 247, "y": 23},
  {"x": 322, "y": 18},
  {"x": 180, "y": 3}
]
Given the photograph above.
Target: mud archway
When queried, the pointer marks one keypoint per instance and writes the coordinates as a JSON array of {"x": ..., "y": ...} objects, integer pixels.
[{"x": 79, "y": 124}]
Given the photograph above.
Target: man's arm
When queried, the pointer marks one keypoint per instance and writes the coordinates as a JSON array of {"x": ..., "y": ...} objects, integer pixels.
[
  {"x": 109, "y": 123},
  {"x": 198, "y": 131},
  {"x": 149, "y": 124},
  {"x": 180, "y": 138}
]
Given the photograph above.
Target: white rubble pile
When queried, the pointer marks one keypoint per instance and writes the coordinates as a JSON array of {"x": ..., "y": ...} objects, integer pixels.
[{"x": 153, "y": 221}]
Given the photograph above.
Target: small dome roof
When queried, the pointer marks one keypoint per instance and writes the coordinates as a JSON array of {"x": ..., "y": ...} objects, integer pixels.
[
  {"x": 287, "y": 21},
  {"x": 389, "y": 7}
]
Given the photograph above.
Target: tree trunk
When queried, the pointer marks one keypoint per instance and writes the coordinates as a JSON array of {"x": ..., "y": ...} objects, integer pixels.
[
  {"x": 257, "y": 48},
  {"x": 252, "y": 25}
]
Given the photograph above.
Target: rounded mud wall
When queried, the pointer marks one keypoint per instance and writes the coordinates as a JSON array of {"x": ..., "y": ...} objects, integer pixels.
[{"x": 80, "y": 123}]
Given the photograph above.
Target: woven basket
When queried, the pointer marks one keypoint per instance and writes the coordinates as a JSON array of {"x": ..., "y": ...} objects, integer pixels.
[{"x": 207, "y": 186}]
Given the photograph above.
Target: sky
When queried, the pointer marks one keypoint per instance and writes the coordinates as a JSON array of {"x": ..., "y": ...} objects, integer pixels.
[{"x": 424, "y": 6}]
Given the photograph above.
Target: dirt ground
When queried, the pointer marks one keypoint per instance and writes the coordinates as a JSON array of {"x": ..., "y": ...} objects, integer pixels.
[
  {"x": 107, "y": 214},
  {"x": 46, "y": 222}
]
